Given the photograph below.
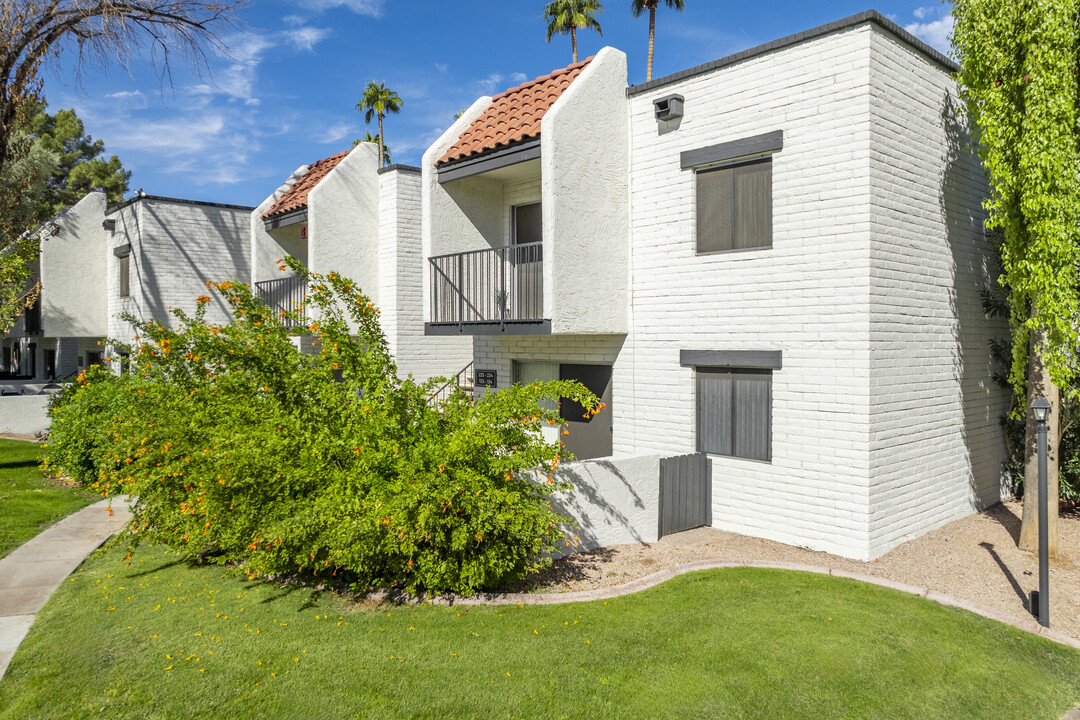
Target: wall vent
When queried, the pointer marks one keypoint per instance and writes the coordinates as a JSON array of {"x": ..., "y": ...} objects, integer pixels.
[{"x": 669, "y": 108}]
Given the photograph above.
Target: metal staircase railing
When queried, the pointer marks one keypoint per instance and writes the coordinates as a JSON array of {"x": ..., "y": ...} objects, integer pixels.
[{"x": 465, "y": 379}]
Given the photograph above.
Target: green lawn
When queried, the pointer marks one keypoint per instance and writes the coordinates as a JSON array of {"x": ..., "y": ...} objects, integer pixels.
[
  {"x": 30, "y": 502},
  {"x": 163, "y": 639}
]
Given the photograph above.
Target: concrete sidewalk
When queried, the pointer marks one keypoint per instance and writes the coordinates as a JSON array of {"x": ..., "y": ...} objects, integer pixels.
[{"x": 30, "y": 574}]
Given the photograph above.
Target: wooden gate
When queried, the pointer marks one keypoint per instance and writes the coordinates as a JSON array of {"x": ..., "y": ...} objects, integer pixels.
[{"x": 684, "y": 493}]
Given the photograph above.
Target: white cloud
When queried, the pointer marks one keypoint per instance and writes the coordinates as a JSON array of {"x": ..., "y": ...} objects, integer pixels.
[
  {"x": 306, "y": 38},
  {"x": 337, "y": 131},
  {"x": 441, "y": 67},
  {"x": 489, "y": 84},
  {"x": 518, "y": 78},
  {"x": 934, "y": 33},
  {"x": 372, "y": 8},
  {"x": 248, "y": 47},
  {"x": 246, "y": 52},
  {"x": 128, "y": 100},
  {"x": 173, "y": 137}
]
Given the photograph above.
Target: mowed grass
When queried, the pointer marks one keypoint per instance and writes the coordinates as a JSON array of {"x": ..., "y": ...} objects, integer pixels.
[
  {"x": 29, "y": 501},
  {"x": 164, "y": 639}
]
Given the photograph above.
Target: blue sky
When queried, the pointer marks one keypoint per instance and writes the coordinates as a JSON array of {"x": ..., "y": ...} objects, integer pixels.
[{"x": 285, "y": 94}]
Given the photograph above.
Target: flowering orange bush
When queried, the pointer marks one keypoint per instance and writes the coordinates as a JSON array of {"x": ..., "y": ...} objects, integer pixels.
[{"x": 243, "y": 450}]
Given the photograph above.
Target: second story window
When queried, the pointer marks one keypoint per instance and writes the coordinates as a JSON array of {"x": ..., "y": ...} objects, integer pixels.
[
  {"x": 124, "y": 265},
  {"x": 734, "y": 207},
  {"x": 528, "y": 224}
]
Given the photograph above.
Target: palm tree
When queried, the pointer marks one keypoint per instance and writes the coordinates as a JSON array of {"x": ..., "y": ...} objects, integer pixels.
[
  {"x": 638, "y": 6},
  {"x": 378, "y": 100},
  {"x": 566, "y": 16},
  {"x": 368, "y": 137}
]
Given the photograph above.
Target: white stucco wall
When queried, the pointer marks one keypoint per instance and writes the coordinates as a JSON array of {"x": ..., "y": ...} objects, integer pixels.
[
  {"x": 343, "y": 220},
  {"x": 73, "y": 296},
  {"x": 584, "y": 173},
  {"x": 446, "y": 225},
  {"x": 400, "y": 275},
  {"x": 176, "y": 248},
  {"x": 935, "y": 442},
  {"x": 266, "y": 247},
  {"x": 24, "y": 414},
  {"x": 884, "y": 415},
  {"x": 613, "y": 501},
  {"x": 807, "y": 295}
]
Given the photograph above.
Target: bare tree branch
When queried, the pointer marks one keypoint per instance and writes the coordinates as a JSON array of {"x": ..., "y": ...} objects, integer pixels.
[{"x": 34, "y": 33}]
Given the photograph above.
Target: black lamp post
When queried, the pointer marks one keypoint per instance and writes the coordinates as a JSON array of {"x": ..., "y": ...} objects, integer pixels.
[{"x": 1041, "y": 410}]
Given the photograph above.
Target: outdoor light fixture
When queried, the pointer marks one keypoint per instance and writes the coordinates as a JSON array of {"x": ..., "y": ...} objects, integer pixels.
[{"x": 1040, "y": 409}]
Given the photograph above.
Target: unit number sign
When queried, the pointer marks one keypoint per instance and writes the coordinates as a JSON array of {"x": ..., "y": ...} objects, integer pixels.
[{"x": 486, "y": 378}]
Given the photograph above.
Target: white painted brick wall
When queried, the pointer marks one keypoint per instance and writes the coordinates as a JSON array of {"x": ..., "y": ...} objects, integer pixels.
[
  {"x": 806, "y": 296},
  {"x": 884, "y": 414},
  {"x": 936, "y": 446},
  {"x": 401, "y": 285},
  {"x": 176, "y": 249}
]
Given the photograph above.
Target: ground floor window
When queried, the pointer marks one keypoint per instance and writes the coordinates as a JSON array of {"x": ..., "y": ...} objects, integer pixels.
[
  {"x": 527, "y": 372},
  {"x": 734, "y": 412}
]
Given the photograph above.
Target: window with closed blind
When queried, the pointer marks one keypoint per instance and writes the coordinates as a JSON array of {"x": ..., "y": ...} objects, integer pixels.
[
  {"x": 734, "y": 412},
  {"x": 734, "y": 207},
  {"x": 124, "y": 269}
]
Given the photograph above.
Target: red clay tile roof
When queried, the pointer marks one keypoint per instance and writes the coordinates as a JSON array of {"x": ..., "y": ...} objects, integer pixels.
[
  {"x": 295, "y": 197},
  {"x": 514, "y": 115}
]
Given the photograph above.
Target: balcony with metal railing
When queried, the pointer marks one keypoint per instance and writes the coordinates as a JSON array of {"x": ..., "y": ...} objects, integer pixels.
[
  {"x": 497, "y": 290},
  {"x": 284, "y": 295}
]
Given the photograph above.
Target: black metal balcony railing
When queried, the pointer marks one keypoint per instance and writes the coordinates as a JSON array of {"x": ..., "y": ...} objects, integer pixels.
[
  {"x": 283, "y": 294},
  {"x": 503, "y": 284}
]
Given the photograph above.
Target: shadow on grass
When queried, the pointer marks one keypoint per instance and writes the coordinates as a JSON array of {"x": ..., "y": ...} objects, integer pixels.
[
  {"x": 288, "y": 589},
  {"x": 17, "y": 464}
]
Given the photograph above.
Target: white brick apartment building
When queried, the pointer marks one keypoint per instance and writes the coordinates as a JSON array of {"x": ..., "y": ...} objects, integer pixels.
[
  {"x": 344, "y": 214},
  {"x": 54, "y": 338},
  {"x": 772, "y": 261},
  {"x": 162, "y": 252},
  {"x": 143, "y": 256}
]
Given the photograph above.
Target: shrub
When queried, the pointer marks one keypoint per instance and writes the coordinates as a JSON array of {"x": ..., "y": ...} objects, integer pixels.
[{"x": 240, "y": 449}]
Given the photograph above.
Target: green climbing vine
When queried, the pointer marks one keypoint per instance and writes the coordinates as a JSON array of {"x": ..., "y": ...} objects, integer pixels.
[{"x": 1018, "y": 76}]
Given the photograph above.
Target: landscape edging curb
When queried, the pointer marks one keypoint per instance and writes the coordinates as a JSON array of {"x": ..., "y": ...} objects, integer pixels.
[{"x": 654, "y": 579}]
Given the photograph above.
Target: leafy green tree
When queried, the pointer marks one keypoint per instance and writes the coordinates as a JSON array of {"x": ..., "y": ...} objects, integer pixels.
[
  {"x": 23, "y": 180},
  {"x": 567, "y": 16},
  {"x": 377, "y": 101},
  {"x": 1018, "y": 72},
  {"x": 35, "y": 34},
  {"x": 81, "y": 167},
  {"x": 369, "y": 138},
  {"x": 638, "y": 7}
]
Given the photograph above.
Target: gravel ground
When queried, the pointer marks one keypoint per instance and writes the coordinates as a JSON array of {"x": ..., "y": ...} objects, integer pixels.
[
  {"x": 975, "y": 559},
  {"x": 20, "y": 436}
]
